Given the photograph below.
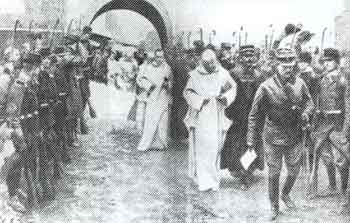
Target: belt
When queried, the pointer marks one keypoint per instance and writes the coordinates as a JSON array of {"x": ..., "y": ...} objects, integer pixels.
[
  {"x": 22, "y": 117},
  {"x": 332, "y": 112}
]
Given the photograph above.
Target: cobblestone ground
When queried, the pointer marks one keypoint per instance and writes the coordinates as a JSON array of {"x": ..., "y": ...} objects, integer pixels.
[{"x": 109, "y": 181}]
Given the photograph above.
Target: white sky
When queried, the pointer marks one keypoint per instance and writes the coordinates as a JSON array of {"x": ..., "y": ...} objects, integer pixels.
[
  {"x": 226, "y": 16},
  {"x": 11, "y": 6}
]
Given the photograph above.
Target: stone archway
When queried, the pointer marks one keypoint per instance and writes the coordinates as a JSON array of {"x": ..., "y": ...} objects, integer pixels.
[{"x": 149, "y": 9}]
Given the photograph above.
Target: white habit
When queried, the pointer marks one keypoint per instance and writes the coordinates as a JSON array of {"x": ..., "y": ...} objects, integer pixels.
[
  {"x": 155, "y": 132},
  {"x": 207, "y": 124}
]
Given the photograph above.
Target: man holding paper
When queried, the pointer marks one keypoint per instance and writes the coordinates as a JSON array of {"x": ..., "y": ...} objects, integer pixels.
[
  {"x": 284, "y": 102},
  {"x": 209, "y": 90}
]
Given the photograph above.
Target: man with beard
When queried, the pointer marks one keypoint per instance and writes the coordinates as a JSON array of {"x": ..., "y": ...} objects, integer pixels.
[
  {"x": 226, "y": 58},
  {"x": 282, "y": 103},
  {"x": 209, "y": 90},
  {"x": 248, "y": 79}
]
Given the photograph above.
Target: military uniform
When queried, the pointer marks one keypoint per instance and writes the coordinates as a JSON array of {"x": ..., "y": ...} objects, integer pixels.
[
  {"x": 333, "y": 87},
  {"x": 70, "y": 65},
  {"x": 281, "y": 103},
  {"x": 60, "y": 108},
  {"x": 248, "y": 79},
  {"x": 51, "y": 163}
]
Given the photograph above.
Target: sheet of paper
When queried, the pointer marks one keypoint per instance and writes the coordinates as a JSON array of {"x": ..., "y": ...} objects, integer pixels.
[{"x": 248, "y": 158}]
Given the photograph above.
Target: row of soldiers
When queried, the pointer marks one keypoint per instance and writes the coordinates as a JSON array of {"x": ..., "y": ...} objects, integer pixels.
[{"x": 43, "y": 97}]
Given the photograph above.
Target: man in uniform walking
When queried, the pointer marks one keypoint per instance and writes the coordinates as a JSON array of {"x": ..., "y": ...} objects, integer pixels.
[{"x": 285, "y": 101}]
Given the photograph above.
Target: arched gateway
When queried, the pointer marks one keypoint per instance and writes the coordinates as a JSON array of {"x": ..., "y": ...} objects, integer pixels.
[{"x": 152, "y": 10}]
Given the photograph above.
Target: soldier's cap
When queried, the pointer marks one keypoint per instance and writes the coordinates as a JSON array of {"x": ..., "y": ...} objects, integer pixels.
[
  {"x": 58, "y": 50},
  {"x": 305, "y": 57},
  {"x": 31, "y": 58},
  {"x": 247, "y": 50},
  {"x": 198, "y": 44},
  {"x": 45, "y": 52},
  {"x": 87, "y": 29},
  {"x": 331, "y": 54},
  {"x": 34, "y": 36},
  {"x": 211, "y": 46},
  {"x": 226, "y": 45},
  {"x": 70, "y": 39},
  {"x": 286, "y": 56}
]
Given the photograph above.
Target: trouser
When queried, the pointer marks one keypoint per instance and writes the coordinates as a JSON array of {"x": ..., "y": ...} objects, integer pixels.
[
  {"x": 60, "y": 129},
  {"x": 292, "y": 157},
  {"x": 83, "y": 126},
  {"x": 14, "y": 173},
  {"x": 331, "y": 157},
  {"x": 71, "y": 128}
]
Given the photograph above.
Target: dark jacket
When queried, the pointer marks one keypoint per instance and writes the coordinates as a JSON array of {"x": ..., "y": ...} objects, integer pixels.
[{"x": 281, "y": 105}]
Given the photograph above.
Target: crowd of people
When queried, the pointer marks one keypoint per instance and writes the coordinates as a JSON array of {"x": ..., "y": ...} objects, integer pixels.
[
  {"x": 284, "y": 102},
  {"x": 287, "y": 102},
  {"x": 44, "y": 92}
]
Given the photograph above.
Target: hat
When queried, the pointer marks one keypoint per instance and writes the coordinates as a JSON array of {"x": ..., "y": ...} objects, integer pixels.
[
  {"x": 305, "y": 57},
  {"x": 331, "y": 54},
  {"x": 198, "y": 44},
  {"x": 291, "y": 28},
  {"x": 285, "y": 56},
  {"x": 226, "y": 45},
  {"x": 31, "y": 58},
  {"x": 285, "y": 53},
  {"x": 70, "y": 39},
  {"x": 211, "y": 46},
  {"x": 247, "y": 50},
  {"x": 87, "y": 29},
  {"x": 58, "y": 50},
  {"x": 45, "y": 52}
]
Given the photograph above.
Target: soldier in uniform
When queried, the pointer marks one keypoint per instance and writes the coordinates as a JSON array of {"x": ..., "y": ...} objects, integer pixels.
[
  {"x": 87, "y": 73},
  {"x": 60, "y": 108},
  {"x": 12, "y": 114},
  {"x": 71, "y": 63},
  {"x": 332, "y": 100},
  {"x": 248, "y": 79},
  {"x": 32, "y": 132},
  {"x": 47, "y": 98},
  {"x": 282, "y": 102}
]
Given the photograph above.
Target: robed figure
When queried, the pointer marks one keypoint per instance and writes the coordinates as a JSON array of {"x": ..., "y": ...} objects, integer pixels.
[
  {"x": 155, "y": 79},
  {"x": 209, "y": 90}
]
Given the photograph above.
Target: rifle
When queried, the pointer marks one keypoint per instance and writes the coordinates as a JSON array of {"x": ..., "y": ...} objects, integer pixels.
[
  {"x": 189, "y": 39},
  {"x": 201, "y": 34},
  {"x": 240, "y": 37},
  {"x": 322, "y": 39},
  {"x": 52, "y": 33}
]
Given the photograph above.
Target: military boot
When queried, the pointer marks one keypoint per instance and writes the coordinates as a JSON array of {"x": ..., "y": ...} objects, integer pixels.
[
  {"x": 274, "y": 196},
  {"x": 344, "y": 176},
  {"x": 288, "y": 185}
]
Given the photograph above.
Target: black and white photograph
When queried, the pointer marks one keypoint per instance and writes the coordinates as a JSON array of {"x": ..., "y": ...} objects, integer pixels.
[{"x": 174, "y": 111}]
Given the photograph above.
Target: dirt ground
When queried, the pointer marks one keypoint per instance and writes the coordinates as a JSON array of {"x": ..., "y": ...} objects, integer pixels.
[{"x": 110, "y": 181}]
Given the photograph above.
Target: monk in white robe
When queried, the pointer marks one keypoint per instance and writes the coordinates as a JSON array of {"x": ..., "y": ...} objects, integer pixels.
[
  {"x": 155, "y": 79},
  {"x": 209, "y": 91}
]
